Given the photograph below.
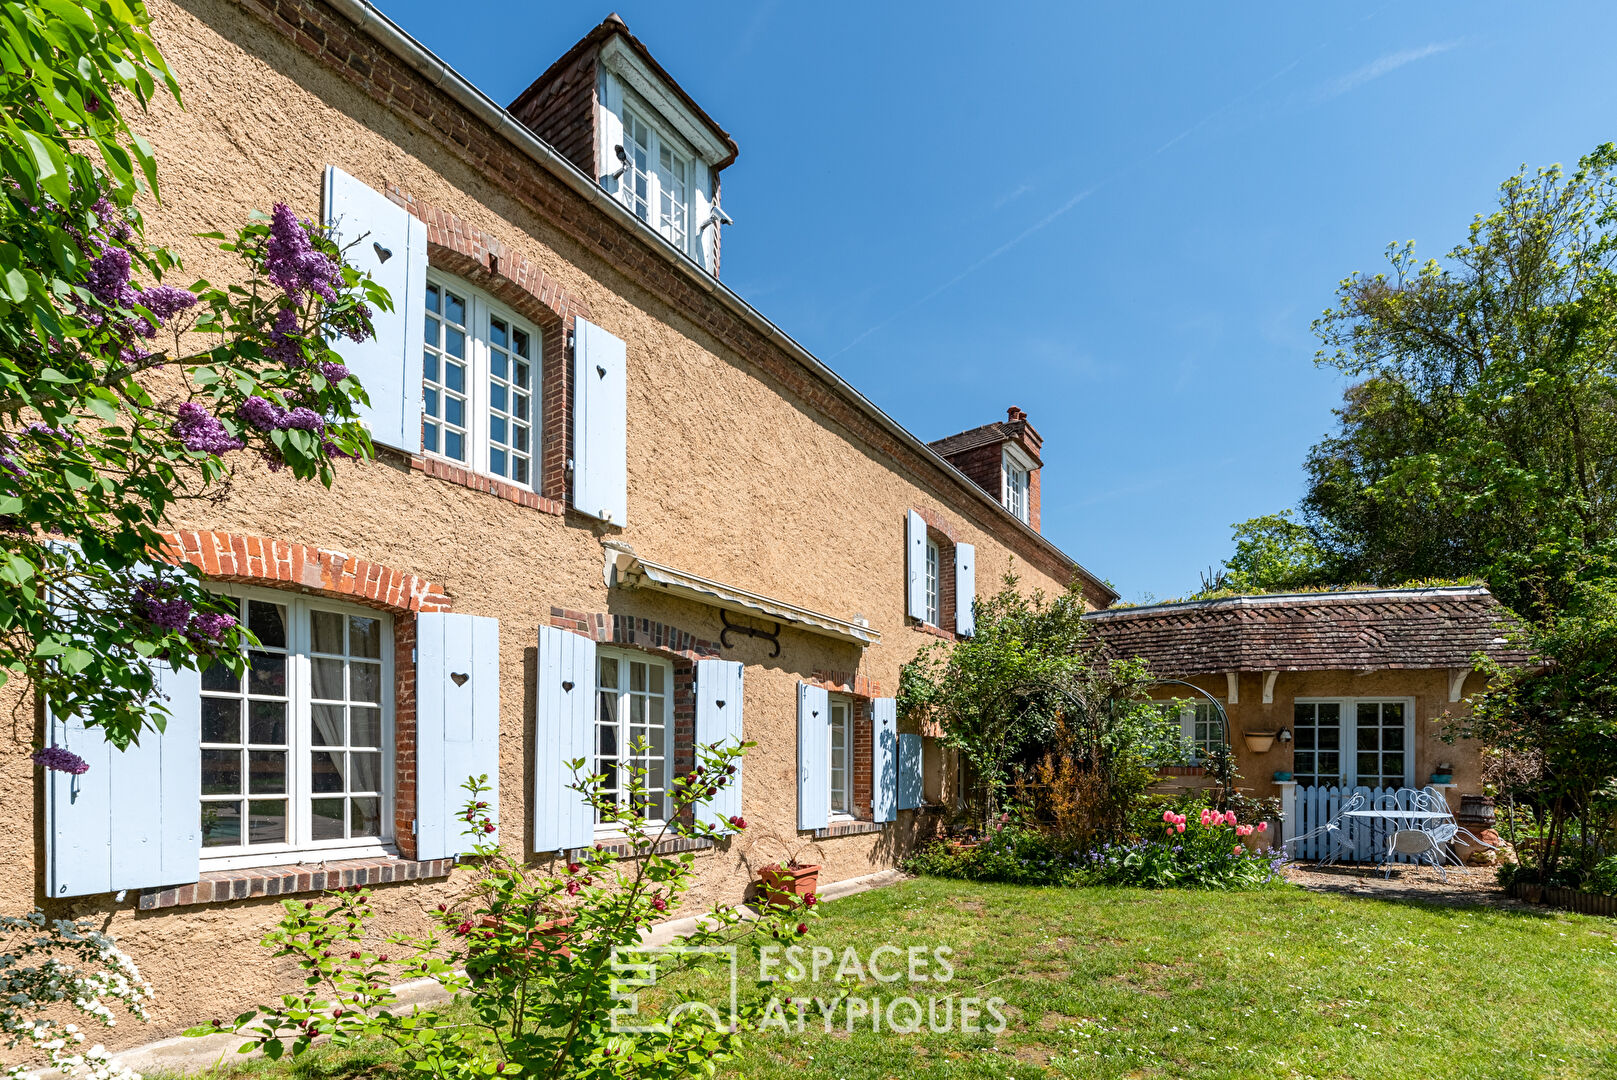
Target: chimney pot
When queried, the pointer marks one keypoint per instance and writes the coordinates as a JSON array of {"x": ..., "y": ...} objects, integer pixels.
[{"x": 1014, "y": 414}]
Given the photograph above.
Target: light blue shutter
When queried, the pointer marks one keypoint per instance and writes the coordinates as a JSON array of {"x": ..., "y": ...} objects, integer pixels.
[
  {"x": 884, "y": 759},
  {"x": 813, "y": 756},
  {"x": 457, "y": 689},
  {"x": 909, "y": 771},
  {"x": 564, "y": 713},
  {"x": 392, "y": 248},
  {"x": 915, "y": 546},
  {"x": 718, "y": 720},
  {"x": 134, "y": 820},
  {"x": 965, "y": 589},
  {"x": 600, "y": 424}
]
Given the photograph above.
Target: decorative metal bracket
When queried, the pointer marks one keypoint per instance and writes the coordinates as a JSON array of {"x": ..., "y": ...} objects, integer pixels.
[{"x": 751, "y": 631}]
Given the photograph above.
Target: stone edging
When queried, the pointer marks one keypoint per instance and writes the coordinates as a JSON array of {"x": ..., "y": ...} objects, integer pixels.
[{"x": 1587, "y": 903}]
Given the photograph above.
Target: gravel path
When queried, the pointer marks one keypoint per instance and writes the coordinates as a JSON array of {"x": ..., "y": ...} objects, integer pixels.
[{"x": 1465, "y": 885}]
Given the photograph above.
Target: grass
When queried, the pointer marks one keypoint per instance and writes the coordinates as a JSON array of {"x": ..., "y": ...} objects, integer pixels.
[{"x": 1126, "y": 983}]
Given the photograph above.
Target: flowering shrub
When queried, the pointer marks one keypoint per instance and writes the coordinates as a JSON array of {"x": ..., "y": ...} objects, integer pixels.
[
  {"x": 122, "y": 392},
  {"x": 1204, "y": 852},
  {"x": 1179, "y": 852},
  {"x": 533, "y": 952},
  {"x": 48, "y": 963}
]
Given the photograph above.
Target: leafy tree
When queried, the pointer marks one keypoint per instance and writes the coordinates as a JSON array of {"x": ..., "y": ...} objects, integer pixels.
[
  {"x": 1032, "y": 678},
  {"x": 1552, "y": 733},
  {"x": 1272, "y": 553},
  {"x": 121, "y": 393},
  {"x": 1482, "y": 437}
]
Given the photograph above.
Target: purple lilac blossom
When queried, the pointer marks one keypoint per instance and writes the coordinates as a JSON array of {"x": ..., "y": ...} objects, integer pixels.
[
  {"x": 166, "y": 301},
  {"x": 290, "y": 260},
  {"x": 262, "y": 413},
  {"x": 210, "y": 626},
  {"x": 108, "y": 278},
  {"x": 60, "y": 759},
  {"x": 333, "y": 371},
  {"x": 304, "y": 419},
  {"x": 201, "y": 431},
  {"x": 284, "y": 345},
  {"x": 165, "y": 613}
]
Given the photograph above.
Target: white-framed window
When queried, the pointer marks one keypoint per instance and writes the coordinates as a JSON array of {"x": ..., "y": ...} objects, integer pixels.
[
  {"x": 297, "y": 758},
  {"x": 479, "y": 382},
  {"x": 1015, "y": 473},
  {"x": 841, "y": 757},
  {"x": 634, "y": 727},
  {"x": 1201, "y": 728},
  {"x": 657, "y": 178},
  {"x": 1354, "y": 741},
  {"x": 933, "y": 581}
]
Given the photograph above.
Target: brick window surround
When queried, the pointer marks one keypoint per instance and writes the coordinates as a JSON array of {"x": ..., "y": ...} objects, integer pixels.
[
  {"x": 479, "y": 258},
  {"x": 680, "y": 647},
  {"x": 942, "y": 533},
  {"x": 284, "y": 564},
  {"x": 860, "y": 690}
]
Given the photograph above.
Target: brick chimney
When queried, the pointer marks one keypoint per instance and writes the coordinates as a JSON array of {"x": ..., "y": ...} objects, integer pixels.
[{"x": 982, "y": 453}]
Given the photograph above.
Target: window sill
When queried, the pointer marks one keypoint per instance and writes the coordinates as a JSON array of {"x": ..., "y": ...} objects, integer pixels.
[
  {"x": 218, "y": 886},
  {"x": 466, "y": 478},
  {"x": 848, "y": 828},
  {"x": 935, "y": 631},
  {"x": 619, "y": 845}
]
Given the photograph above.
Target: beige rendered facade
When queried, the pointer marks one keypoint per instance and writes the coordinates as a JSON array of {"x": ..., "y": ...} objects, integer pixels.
[{"x": 748, "y": 464}]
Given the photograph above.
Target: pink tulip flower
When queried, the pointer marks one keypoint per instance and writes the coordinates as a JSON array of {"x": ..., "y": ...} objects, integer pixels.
[
  {"x": 1180, "y": 826},
  {"x": 1238, "y": 849},
  {"x": 1263, "y": 826},
  {"x": 1167, "y": 815},
  {"x": 1229, "y": 817}
]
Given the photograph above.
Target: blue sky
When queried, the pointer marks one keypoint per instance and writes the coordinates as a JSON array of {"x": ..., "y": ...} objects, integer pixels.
[{"x": 1120, "y": 217}]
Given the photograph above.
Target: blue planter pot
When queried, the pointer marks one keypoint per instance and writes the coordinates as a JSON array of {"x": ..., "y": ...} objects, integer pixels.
[
  {"x": 1281, "y": 774},
  {"x": 1443, "y": 778}
]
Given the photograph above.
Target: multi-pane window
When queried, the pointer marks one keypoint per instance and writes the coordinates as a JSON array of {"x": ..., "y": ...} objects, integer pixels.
[
  {"x": 1016, "y": 487},
  {"x": 510, "y": 401},
  {"x": 1316, "y": 728},
  {"x": 633, "y": 722},
  {"x": 932, "y": 582},
  {"x": 1379, "y": 750},
  {"x": 444, "y": 410},
  {"x": 841, "y": 757},
  {"x": 294, "y": 755},
  {"x": 478, "y": 380},
  {"x": 1202, "y": 729},
  {"x": 656, "y": 180}
]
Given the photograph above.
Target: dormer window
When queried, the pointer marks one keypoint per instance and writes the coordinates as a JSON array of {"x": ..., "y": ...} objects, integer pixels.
[
  {"x": 1016, "y": 469},
  {"x": 656, "y": 183}
]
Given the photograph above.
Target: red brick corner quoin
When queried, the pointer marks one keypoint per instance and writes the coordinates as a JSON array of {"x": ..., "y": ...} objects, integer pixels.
[{"x": 257, "y": 560}]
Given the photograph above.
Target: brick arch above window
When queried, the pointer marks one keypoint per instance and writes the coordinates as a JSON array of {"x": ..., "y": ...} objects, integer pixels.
[
  {"x": 480, "y": 259},
  {"x": 258, "y": 560}
]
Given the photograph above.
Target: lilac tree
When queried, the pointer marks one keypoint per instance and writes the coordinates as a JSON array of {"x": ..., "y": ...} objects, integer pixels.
[{"x": 121, "y": 392}]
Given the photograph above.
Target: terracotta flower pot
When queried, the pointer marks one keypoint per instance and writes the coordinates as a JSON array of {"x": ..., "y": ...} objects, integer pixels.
[{"x": 785, "y": 886}]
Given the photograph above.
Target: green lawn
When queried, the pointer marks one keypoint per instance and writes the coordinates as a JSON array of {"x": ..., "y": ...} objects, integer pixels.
[{"x": 1283, "y": 983}]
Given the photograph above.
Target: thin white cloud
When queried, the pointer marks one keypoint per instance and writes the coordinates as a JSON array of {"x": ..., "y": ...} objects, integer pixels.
[
  {"x": 1012, "y": 196},
  {"x": 1385, "y": 65}
]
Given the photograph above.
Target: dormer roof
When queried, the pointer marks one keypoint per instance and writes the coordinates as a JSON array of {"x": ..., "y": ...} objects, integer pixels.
[{"x": 627, "y": 56}]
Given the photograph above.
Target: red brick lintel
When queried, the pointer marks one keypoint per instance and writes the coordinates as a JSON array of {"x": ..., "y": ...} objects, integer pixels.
[
  {"x": 216, "y": 886},
  {"x": 233, "y": 557}
]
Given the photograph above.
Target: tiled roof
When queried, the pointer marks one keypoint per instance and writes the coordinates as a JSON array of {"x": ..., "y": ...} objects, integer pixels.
[
  {"x": 996, "y": 432},
  {"x": 1370, "y": 629}
]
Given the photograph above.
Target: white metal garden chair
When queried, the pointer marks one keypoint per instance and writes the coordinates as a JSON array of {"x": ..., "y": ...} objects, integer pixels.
[{"x": 1337, "y": 835}]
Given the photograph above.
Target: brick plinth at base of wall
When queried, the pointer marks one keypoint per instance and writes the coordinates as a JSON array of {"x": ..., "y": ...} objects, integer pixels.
[{"x": 216, "y": 886}]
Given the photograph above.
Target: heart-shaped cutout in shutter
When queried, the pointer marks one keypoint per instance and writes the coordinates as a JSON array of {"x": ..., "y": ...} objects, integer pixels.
[
  {"x": 382, "y": 253},
  {"x": 460, "y": 677},
  {"x": 567, "y": 686}
]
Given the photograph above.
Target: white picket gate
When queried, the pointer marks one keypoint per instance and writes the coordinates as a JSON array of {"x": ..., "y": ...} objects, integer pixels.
[{"x": 1368, "y": 836}]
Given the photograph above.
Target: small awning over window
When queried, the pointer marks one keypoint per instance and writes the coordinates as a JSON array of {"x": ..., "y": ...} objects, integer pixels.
[{"x": 626, "y": 570}]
